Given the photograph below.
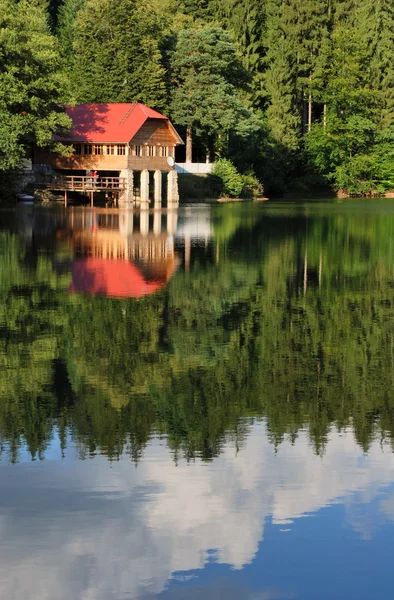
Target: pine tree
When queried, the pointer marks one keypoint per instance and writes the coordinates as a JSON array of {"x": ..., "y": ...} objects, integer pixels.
[
  {"x": 207, "y": 74},
  {"x": 245, "y": 19},
  {"x": 349, "y": 88},
  {"x": 117, "y": 54},
  {"x": 307, "y": 24},
  {"x": 66, "y": 28},
  {"x": 198, "y": 9},
  {"x": 377, "y": 26},
  {"x": 280, "y": 80},
  {"x": 31, "y": 82},
  {"x": 53, "y": 8},
  {"x": 343, "y": 146}
]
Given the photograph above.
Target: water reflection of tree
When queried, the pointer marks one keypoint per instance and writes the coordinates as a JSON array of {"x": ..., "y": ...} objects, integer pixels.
[{"x": 284, "y": 325}]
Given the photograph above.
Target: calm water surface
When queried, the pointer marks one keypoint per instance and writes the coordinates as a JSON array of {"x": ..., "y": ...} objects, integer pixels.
[{"x": 198, "y": 404}]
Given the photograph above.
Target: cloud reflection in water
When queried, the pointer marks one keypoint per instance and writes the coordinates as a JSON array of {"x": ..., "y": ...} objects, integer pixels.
[{"x": 97, "y": 530}]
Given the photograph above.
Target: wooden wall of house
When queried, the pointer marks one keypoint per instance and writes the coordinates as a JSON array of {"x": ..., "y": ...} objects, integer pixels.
[
  {"x": 102, "y": 163},
  {"x": 155, "y": 132},
  {"x": 159, "y": 134},
  {"x": 152, "y": 163},
  {"x": 84, "y": 162}
]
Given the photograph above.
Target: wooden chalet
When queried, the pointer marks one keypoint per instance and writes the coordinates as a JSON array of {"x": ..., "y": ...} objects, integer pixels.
[{"x": 123, "y": 143}]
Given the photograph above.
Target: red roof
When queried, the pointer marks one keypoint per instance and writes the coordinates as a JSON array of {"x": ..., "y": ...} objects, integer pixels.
[
  {"x": 112, "y": 123},
  {"x": 116, "y": 278}
]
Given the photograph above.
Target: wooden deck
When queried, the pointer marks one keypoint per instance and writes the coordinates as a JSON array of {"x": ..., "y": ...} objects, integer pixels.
[{"x": 86, "y": 184}]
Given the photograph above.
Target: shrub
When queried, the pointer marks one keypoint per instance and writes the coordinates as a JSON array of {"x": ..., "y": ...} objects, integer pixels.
[
  {"x": 251, "y": 185},
  {"x": 228, "y": 179}
]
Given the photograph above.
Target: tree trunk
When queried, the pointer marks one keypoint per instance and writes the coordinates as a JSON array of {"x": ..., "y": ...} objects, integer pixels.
[
  {"x": 304, "y": 116},
  {"x": 189, "y": 144},
  {"x": 325, "y": 115},
  {"x": 310, "y": 106}
]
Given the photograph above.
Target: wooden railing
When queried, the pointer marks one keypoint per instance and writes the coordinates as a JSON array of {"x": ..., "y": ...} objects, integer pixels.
[{"x": 77, "y": 182}]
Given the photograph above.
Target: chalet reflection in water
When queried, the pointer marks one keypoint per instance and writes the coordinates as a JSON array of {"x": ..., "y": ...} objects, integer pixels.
[{"x": 120, "y": 254}]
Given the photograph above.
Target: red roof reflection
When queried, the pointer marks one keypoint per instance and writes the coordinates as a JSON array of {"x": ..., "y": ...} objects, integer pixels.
[{"x": 114, "y": 278}]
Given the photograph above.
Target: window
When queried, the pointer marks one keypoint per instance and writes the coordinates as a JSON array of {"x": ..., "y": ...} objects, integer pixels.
[
  {"x": 111, "y": 149},
  {"x": 78, "y": 149},
  {"x": 122, "y": 150},
  {"x": 97, "y": 149},
  {"x": 138, "y": 151},
  {"x": 164, "y": 151},
  {"x": 151, "y": 150},
  {"x": 88, "y": 149}
]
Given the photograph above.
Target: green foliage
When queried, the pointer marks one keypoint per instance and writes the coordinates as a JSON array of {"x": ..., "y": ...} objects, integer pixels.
[
  {"x": 251, "y": 185},
  {"x": 31, "y": 83},
  {"x": 66, "y": 28},
  {"x": 117, "y": 54},
  {"x": 199, "y": 9},
  {"x": 280, "y": 80},
  {"x": 230, "y": 182},
  {"x": 349, "y": 146},
  {"x": 246, "y": 21},
  {"x": 53, "y": 9},
  {"x": 208, "y": 74},
  {"x": 343, "y": 152},
  {"x": 377, "y": 27}
]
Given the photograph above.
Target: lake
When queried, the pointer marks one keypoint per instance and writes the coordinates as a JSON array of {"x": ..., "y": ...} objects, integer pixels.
[{"x": 197, "y": 404}]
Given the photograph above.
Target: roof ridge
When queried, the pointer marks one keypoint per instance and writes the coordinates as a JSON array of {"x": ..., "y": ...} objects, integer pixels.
[{"x": 127, "y": 114}]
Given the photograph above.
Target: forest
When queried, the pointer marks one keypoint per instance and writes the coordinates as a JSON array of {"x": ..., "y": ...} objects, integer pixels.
[
  {"x": 296, "y": 93},
  {"x": 249, "y": 333}
]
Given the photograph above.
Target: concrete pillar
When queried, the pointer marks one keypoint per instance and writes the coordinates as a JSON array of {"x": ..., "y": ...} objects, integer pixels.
[
  {"x": 127, "y": 196},
  {"x": 144, "y": 222},
  {"x": 158, "y": 189},
  {"x": 172, "y": 189},
  {"x": 144, "y": 189}
]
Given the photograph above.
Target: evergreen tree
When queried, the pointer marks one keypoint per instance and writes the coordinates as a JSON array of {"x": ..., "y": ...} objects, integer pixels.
[
  {"x": 207, "y": 75},
  {"x": 66, "y": 28},
  {"x": 53, "y": 8},
  {"x": 343, "y": 146},
  {"x": 198, "y": 9},
  {"x": 245, "y": 19},
  {"x": 297, "y": 61},
  {"x": 377, "y": 26},
  {"x": 31, "y": 83},
  {"x": 117, "y": 54},
  {"x": 307, "y": 24},
  {"x": 280, "y": 80}
]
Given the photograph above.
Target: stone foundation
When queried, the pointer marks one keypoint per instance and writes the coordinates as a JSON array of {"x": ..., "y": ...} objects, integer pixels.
[
  {"x": 172, "y": 189},
  {"x": 127, "y": 197}
]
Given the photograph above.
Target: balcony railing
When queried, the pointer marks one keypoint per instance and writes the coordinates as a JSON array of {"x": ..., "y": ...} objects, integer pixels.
[{"x": 86, "y": 183}]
